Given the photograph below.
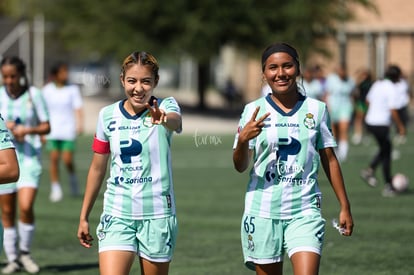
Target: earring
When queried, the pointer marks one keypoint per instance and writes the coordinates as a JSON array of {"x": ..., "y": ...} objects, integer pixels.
[{"x": 22, "y": 81}]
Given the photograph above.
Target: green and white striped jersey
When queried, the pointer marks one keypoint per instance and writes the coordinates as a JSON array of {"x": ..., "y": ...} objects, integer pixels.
[
  {"x": 5, "y": 136},
  {"x": 283, "y": 181},
  {"x": 6, "y": 142},
  {"x": 140, "y": 184},
  {"x": 28, "y": 109}
]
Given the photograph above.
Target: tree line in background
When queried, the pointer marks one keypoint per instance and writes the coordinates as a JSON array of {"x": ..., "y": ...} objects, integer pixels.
[{"x": 187, "y": 27}]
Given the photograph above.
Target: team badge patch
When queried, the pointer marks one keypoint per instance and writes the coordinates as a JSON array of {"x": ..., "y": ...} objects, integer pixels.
[
  {"x": 101, "y": 235},
  {"x": 147, "y": 121},
  {"x": 250, "y": 243},
  {"x": 309, "y": 122}
]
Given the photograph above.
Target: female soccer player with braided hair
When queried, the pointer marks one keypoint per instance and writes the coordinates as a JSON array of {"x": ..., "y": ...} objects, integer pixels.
[
  {"x": 25, "y": 112},
  {"x": 286, "y": 134}
]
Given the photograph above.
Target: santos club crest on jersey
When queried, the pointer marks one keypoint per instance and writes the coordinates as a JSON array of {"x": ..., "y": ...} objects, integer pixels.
[
  {"x": 147, "y": 121},
  {"x": 309, "y": 122}
]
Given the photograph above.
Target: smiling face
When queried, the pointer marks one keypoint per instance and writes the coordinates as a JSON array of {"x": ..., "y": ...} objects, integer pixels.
[
  {"x": 139, "y": 83},
  {"x": 280, "y": 72},
  {"x": 11, "y": 78}
]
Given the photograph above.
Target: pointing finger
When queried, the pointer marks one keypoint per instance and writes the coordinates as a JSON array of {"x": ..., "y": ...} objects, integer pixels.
[
  {"x": 255, "y": 113},
  {"x": 148, "y": 106},
  {"x": 155, "y": 104}
]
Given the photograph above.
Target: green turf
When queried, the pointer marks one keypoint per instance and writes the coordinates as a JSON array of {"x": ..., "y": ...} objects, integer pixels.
[{"x": 210, "y": 202}]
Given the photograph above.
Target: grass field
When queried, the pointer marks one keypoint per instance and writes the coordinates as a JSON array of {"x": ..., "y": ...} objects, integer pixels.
[{"x": 210, "y": 202}]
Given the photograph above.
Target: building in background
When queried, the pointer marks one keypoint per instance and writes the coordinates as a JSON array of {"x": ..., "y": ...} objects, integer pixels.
[
  {"x": 371, "y": 41},
  {"x": 375, "y": 40}
]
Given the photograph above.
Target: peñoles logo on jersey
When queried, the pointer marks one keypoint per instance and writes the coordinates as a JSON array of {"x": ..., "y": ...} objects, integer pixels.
[{"x": 129, "y": 148}]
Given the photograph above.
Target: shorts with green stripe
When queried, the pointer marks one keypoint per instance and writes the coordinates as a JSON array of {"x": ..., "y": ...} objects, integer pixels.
[
  {"x": 265, "y": 241},
  {"x": 151, "y": 239}
]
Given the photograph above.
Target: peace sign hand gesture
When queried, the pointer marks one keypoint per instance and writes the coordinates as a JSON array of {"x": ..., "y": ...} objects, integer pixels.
[
  {"x": 253, "y": 127},
  {"x": 158, "y": 116}
]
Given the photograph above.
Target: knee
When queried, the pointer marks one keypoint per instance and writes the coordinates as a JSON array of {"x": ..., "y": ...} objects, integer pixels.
[
  {"x": 26, "y": 214},
  {"x": 8, "y": 214},
  {"x": 67, "y": 159}
]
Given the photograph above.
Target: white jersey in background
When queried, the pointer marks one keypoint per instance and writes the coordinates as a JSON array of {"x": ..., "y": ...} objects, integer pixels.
[
  {"x": 381, "y": 97},
  {"x": 284, "y": 177},
  {"x": 62, "y": 103},
  {"x": 28, "y": 109},
  {"x": 402, "y": 90}
]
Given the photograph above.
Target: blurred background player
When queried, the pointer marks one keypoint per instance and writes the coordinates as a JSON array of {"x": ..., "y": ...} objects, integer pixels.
[
  {"x": 26, "y": 116},
  {"x": 382, "y": 109},
  {"x": 339, "y": 89},
  {"x": 64, "y": 103},
  {"x": 403, "y": 101},
  {"x": 364, "y": 82},
  {"x": 139, "y": 207},
  {"x": 286, "y": 134},
  {"x": 312, "y": 86},
  {"x": 9, "y": 167},
  {"x": 318, "y": 74}
]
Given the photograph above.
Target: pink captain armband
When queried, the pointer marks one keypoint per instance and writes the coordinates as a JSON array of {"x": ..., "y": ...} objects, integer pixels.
[{"x": 100, "y": 146}]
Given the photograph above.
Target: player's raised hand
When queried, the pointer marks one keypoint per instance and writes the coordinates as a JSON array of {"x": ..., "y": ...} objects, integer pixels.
[
  {"x": 253, "y": 127},
  {"x": 84, "y": 237},
  {"x": 158, "y": 116}
]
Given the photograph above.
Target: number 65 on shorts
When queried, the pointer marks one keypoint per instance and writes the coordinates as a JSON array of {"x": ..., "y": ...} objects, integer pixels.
[{"x": 265, "y": 241}]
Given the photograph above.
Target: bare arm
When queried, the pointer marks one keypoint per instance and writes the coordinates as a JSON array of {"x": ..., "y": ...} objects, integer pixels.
[
  {"x": 94, "y": 181},
  {"x": 241, "y": 154},
  {"x": 171, "y": 120},
  {"x": 9, "y": 167},
  {"x": 79, "y": 121},
  {"x": 333, "y": 172},
  {"x": 19, "y": 131},
  {"x": 395, "y": 116}
]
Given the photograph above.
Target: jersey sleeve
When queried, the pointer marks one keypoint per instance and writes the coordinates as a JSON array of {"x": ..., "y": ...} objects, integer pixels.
[
  {"x": 245, "y": 117},
  {"x": 39, "y": 104},
  {"x": 325, "y": 137},
  {"x": 5, "y": 136},
  {"x": 100, "y": 142},
  {"x": 170, "y": 105},
  {"x": 393, "y": 97}
]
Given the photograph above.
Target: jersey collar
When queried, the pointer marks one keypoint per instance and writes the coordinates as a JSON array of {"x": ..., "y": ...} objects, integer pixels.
[
  {"x": 138, "y": 115},
  {"x": 280, "y": 111}
]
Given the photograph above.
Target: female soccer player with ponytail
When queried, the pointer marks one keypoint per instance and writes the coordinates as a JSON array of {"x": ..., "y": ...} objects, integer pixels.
[
  {"x": 139, "y": 208},
  {"x": 286, "y": 134},
  {"x": 24, "y": 110}
]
